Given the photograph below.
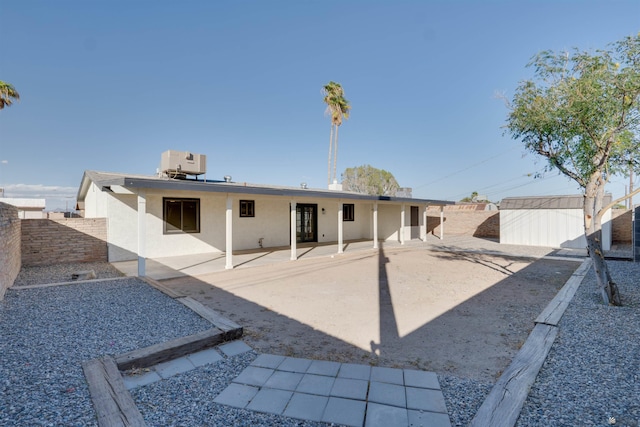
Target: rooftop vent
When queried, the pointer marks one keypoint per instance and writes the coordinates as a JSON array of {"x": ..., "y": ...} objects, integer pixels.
[
  {"x": 227, "y": 178},
  {"x": 179, "y": 164}
]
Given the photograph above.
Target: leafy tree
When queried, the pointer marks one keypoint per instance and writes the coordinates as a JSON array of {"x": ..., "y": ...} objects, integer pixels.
[
  {"x": 368, "y": 180},
  {"x": 7, "y": 94},
  {"x": 338, "y": 107},
  {"x": 582, "y": 114}
]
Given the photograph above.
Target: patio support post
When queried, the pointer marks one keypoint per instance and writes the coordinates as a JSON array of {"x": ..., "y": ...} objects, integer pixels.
[
  {"x": 142, "y": 231},
  {"x": 229, "y": 234},
  {"x": 375, "y": 225},
  {"x": 423, "y": 229},
  {"x": 294, "y": 255},
  {"x": 402, "y": 224},
  {"x": 340, "y": 237},
  {"x": 441, "y": 222}
]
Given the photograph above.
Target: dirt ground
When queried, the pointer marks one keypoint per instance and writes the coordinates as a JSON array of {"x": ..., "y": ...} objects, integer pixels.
[{"x": 463, "y": 314}]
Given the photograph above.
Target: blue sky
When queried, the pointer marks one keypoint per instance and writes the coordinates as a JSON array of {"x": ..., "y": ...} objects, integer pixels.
[{"x": 110, "y": 85}]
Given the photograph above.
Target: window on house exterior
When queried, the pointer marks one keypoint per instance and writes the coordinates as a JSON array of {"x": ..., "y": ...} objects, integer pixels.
[
  {"x": 181, "y": 215},
  {"x": 348, "y": 212},
  {"x": 247, "y": 208}
]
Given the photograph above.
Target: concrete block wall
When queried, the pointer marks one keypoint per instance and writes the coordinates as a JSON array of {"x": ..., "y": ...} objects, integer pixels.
[
  {"x": 622, "y": 230},
  {"x": 10, "y": 227},
  {"x": 46, "y": 241},
  {"x": 463, "y": 222}
]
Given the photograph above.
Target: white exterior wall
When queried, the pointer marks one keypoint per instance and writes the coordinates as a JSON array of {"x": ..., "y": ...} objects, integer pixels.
[
  {"x": 557, "y": 228},
  {"x": 389, "y": 222},
  {"x": 271, "y": 223}
]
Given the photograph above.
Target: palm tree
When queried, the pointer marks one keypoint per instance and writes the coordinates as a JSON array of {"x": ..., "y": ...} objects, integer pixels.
[
  {"x": 7, "y": 94},
  {"x": 338, "y": 107}
]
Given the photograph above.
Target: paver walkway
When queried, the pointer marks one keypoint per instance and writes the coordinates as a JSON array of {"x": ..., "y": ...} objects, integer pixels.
[
  {"x": 316, "y": 390},
  {"x": 342, "y": 393}
]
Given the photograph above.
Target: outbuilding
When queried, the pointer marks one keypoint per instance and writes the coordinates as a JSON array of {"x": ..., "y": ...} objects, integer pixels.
[{"x": 553, "y": 221}]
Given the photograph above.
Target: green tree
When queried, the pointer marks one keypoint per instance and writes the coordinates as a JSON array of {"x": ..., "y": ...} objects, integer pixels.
[
  {"x": 7, "y": 94},
  {"x": 338, "y": 108},
  {"x": 581, "y": 112},
  {"x": 368, "y": 180}
]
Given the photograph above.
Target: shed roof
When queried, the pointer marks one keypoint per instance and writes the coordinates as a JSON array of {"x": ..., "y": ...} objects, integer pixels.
[{"x": 575, "y": 201}]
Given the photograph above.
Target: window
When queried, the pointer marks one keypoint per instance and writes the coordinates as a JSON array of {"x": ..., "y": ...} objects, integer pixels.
[
  {"x": 247, "y": 208},
  {"x": 181, "y": 215},
  {"x": 348, "y": 212}
]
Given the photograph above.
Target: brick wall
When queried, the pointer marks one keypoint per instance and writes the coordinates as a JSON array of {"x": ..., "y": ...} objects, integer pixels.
[
  {"x": 46, "y": 241},
  {"x": 621, "y": 221},
  {"x": 9, "y": 246},
  {"x": 464, "y": 222}
]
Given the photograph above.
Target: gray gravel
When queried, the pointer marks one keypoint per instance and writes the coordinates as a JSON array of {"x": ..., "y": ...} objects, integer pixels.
[
  {"x": 593, "y": 369},
  {"x": 591, "y": 374}
]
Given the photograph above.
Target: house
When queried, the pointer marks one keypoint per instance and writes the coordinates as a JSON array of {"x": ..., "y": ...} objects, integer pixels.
[
  {"x": 160, "y": 216},
  {"x": 554, "y": 221},
  {"x": 27, "y": 208}
]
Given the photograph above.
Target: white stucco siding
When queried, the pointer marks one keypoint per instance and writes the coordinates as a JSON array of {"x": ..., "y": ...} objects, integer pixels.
[
  {"x": 95, "y": 202},
  {"x": 558, "y": 228},
  {"x": 122, "y": 226},
  {"x": 270, "y": 223},
  {"x": 389, "y": 222},
  {"x": 361, "y": 226}
]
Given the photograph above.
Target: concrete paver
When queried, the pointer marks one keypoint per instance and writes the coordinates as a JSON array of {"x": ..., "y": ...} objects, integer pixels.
[
  {"x": 327, "y": 392},
  {"x": 203, "y": 357},
  {"x": 233, "y": 348},
  {"x": 174, "y": 367}
]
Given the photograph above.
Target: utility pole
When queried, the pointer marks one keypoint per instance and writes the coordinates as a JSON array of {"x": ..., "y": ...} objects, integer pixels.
[{"x": 630, "y": 184}]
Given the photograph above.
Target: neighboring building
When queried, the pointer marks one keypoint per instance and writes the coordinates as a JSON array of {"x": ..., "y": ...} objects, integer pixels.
[
  {"x": 156, "y": 216},
  {"x": 27, "y": 208},
  {"x": 554, "y": 221}
]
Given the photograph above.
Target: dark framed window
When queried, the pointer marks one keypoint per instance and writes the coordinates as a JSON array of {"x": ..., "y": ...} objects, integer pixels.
[
  {"x": 348, "y": 212},
  {"x": 181, "y": 215},
  {"x": 247, "y": 208}
]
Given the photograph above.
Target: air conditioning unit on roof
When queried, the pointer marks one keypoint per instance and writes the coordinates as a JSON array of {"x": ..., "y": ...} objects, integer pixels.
[{"x": 178, "y": 164}]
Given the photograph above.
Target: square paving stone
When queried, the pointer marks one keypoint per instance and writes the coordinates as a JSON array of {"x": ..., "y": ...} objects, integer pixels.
[
  {"x": 428, "y": 419},
  {"x": 270, "y": 400},
  {"x": 203, "y": 357},
  {"x": 173, "y": 367},
  {"x": 387, "y": 394},
  {"x": 324, "y": 367},
  {"x": 344, "y": 411},
  {"x": 294, "y": 364},
  {"x": 237, "y": 395},
  {"x": 316, "y": 384},
  {"x": 422, "y": 379},
  {"x": 350, "y": 388},
  {"x": 268, "y": 361},
  {"x": 387, "y": 375},
  {"x": 384, "y": 416},
  {"x": 426, "y": 399},
  {"x": 234, "y": 348},
  {"x": 284, "y": 380},
  {"x": 306, "y": 406},
  {"x": 253, "y": 375},
  {"x": 357, "y": 372},
  {"x": 133, "y": 381}
]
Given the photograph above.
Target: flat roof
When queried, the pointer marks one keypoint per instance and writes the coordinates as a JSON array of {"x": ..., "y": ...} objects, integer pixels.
[
  {"x": 573, "y": 201},
  {"x": 106, "y": 180}
]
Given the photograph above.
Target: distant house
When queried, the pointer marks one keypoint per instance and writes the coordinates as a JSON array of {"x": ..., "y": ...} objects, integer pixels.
[
  {"x": 553, "y": 221},
  {"x": 27, "y": 208},
  {"x": 158, "y": 216}
]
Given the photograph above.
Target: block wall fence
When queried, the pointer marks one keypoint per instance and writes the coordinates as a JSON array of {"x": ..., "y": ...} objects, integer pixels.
[
  {"x": 46, "y": 241},
  {"x": 10, "y": 227}
]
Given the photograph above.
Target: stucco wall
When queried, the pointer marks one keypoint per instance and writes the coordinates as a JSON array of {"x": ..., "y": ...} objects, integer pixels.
[
  {"x": 10, "y": 226},
  {"x": 46, "y": 241}
]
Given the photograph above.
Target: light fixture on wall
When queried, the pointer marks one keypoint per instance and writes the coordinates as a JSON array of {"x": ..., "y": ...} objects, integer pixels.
[{"x": 322, "y": 211}]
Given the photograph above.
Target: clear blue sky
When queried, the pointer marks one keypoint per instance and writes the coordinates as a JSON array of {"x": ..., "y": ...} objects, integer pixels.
[{"x": 110, "y": 85}]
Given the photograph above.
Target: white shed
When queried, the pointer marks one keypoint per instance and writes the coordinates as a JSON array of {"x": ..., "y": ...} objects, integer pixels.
[{"x": 553, "y": 221}]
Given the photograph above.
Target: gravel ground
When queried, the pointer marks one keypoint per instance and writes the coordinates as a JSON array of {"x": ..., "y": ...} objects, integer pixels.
[
  {"x": 593, "y": 369},
  {"x": 591, "y": 373}
]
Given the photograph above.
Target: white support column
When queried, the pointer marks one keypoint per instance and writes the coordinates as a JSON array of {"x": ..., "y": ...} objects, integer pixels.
[
  {"x": 423, "y": 229},
  {"x": 375, "y": 225},
  {"x": 229, "y": 234},
  {"x": 441, "y": 222},
  {"x": 142, "y": 233},
  {"x": 294, "y": 254},
  {"x": 402, "y": 225},
  {"x": 340, "y": 223}
]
